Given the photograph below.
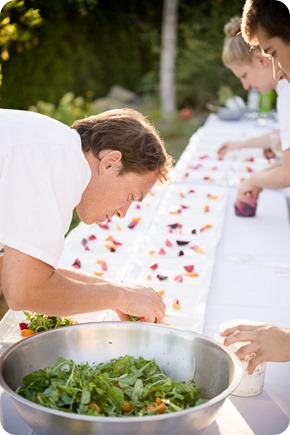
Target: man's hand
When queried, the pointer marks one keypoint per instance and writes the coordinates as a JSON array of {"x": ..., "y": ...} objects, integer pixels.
[{"x": 141, "y": 302}]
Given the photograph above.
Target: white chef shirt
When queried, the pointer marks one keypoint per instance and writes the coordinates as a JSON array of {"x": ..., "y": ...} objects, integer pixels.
[
  {"x": 282, "y": 106},
  {"x": 43, "y": 173}
]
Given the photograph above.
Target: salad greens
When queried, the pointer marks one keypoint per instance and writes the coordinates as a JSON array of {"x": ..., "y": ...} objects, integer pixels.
[
  {"x": 124, "y": 386},
  {"x": 40, "y": 322}
]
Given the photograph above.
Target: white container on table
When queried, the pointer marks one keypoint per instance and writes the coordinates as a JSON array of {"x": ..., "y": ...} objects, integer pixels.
[{"x": 253, "y": 384}]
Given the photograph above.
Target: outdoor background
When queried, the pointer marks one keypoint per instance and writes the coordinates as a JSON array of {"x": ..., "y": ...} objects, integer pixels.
[{"x": 73, "y": 58}]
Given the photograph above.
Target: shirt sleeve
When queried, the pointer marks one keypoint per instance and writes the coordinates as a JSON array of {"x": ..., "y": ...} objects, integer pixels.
[
  {"x": 40, "y": 186},
  {"x": 283, "y": 99}
]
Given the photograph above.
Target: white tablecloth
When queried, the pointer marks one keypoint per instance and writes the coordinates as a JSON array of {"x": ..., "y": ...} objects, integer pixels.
[
  {"x": 245, "y": 285},
  {"x": 250, "y": 280}
]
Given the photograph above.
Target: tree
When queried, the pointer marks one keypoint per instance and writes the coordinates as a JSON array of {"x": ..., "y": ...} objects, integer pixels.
[
  {"x": 168, "y": 55},
  {"x": 18, "y": 30}
]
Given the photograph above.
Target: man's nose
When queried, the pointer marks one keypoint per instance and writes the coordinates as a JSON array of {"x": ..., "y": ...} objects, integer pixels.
[{"x": 122, "y": 211}]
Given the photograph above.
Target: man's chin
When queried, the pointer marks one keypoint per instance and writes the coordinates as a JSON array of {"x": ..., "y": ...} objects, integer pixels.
[
  {"x": 100, "y": 221},
  {"x": 92, "y": 221}
]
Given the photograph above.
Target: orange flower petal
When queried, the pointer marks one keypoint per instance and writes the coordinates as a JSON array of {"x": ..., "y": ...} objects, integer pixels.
[{"x": 98, "y": 273}]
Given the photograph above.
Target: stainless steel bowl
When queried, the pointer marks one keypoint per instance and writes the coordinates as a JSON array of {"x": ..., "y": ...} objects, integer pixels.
[
  {"x": 227, "y": 114},
  {"x": 178, "y": 352}
]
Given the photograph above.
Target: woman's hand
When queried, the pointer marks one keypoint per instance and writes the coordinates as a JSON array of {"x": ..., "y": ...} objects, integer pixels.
[
  {"x": 229, "y": 146},
  {"x": 248, "y": 192},
  {"x": 265, "y": 342}
]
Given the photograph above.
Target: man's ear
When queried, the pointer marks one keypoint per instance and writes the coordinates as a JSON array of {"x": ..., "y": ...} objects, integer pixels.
[{"x": 111, "y": 159}]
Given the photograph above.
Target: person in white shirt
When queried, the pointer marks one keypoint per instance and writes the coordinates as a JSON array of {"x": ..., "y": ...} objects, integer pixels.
[
  {"x": 255, "y": 70},
  {"x": 265, "y": 23},
  {"x": 99, "y": 166}
]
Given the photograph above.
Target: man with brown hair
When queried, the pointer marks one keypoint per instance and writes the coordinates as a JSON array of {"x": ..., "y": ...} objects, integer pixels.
[
  {"x": 99, "y": 166},
  {"x": 267, "y": 23}
]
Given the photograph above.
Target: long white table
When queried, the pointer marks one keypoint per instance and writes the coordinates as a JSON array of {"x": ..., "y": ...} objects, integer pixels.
[
  {"x": 244, "y": 286},
  {"x": 250, "y": 280}
]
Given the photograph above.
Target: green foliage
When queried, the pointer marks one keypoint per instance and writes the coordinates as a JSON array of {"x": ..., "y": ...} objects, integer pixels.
[
  {"x": 67, "y": 110},
  {"x": 82, "y": 46},
  {"x": 19, "y": 31},
  {"x": 89, "y": 45},
  {"x": 200, "y": 71},
  {"x": 224, "y": 93}
]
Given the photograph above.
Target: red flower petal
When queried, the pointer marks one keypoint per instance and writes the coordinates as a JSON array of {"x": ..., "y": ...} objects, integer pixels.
[
  {"x": 189, "y": 268},
  {"x": 104, "y": 226},
  {"x": 161, "y": 277},
  {"x": 178, "y": 278},
  {"x": 182, "y": 242},
  {"x": 77, "y": 263},
  {"x": 23, "y": 325},
  {"x": 104, "y": 266},
  {"x": 117, "y": 243}
]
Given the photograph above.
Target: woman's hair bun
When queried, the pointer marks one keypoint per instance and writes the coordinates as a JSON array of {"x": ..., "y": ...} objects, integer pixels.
[{"x": 233, "y": 27}]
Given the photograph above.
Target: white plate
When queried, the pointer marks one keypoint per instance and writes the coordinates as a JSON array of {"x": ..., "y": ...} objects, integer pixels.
[
  {"x": 152, "y": 270},
  {"x": 184, "y": 207},
  {"x": 174, "y": 245},
  {"x": 250, "y": 167},
  {"x": 103, "y": 264},
  {"x": 200, "y": 176},
  {"x": 195, "y": 196},
  {"x": 212, "y": 166},
  {"x": 97, "y": 239},
  {"x": 206, "y": 225},
  {"x": 10, "y": 331}
]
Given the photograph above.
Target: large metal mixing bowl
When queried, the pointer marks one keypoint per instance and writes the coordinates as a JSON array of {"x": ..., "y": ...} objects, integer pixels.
[{"x": 178, "y": 352}]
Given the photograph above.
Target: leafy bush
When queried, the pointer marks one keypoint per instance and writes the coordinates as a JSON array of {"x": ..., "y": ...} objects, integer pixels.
[
  {"x": 81, "y": 45},
  {"x": 67, "y": 110}
]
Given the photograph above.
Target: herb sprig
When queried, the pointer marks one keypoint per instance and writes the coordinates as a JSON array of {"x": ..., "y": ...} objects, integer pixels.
[{"x": 40, "y": 322}]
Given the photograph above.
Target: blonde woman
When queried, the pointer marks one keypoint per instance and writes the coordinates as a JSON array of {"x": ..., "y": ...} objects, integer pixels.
[{"x": 255, "y": 70}]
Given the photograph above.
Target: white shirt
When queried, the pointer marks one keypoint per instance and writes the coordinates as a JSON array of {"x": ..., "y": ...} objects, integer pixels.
[
  {"x": 282, "y": 106},
  {"x": 43, "y": 173}
]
